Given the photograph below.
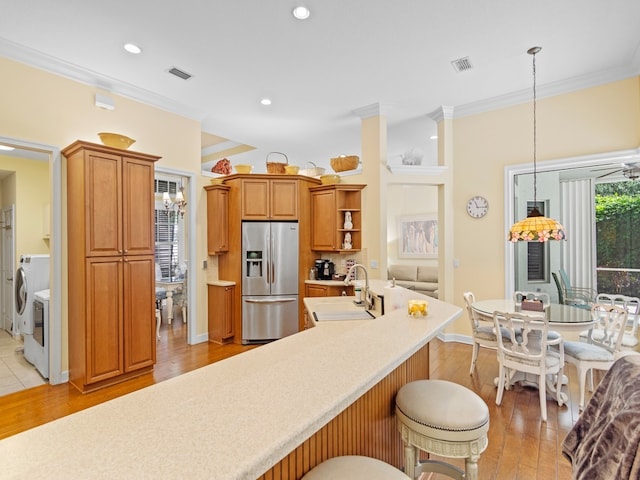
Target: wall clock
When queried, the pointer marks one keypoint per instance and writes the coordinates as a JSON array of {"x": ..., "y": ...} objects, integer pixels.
[{"x": 477, "y": 207}]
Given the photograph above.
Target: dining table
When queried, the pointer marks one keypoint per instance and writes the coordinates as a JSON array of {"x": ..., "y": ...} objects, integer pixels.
[
  {"x": 170, "y": 288},
  {"x": 561, "y": 318}
]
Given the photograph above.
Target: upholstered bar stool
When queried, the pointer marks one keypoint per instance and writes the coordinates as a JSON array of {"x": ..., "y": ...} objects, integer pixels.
[
  {"x": 445, "y": 419},
  {"x": 354, "y": 467}
]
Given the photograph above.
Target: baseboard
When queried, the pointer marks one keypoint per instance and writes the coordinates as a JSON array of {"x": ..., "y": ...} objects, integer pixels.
[{"x": 455, "y": 337}]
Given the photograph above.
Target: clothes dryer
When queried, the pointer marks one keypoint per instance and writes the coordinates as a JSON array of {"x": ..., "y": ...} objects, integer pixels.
[
  {"x": 31, "y": 277},
  {"x": 36, "y": 346}
]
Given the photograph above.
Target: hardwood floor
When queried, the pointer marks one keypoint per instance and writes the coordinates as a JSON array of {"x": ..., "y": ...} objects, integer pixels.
[{"x": 521, "y": 446}]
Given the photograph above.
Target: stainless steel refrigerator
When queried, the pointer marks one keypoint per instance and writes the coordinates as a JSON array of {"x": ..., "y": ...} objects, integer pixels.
[{"x": 269, "y": 280}]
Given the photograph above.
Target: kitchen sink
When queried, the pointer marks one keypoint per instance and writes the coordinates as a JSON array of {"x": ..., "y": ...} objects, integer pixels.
[
  {"x": 339, "y": 308},
  {"x": 333, "y": 315}
]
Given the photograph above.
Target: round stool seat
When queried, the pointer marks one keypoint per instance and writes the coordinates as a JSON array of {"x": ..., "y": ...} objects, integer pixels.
[
  {"x": 442, "y": 410},
  {"x": 445, "y": 419},
  {"x": 354, "y": 467}
]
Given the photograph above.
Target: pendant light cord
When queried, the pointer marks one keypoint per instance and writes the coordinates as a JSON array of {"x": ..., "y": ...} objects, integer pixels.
[{"x": 535, "y": 133}]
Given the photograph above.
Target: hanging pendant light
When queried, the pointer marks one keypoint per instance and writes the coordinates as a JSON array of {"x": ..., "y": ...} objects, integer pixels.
[{"x": 536, "y": 227}]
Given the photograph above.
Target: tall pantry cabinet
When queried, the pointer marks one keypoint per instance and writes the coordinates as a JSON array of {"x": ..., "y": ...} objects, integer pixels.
[{"x": 111, "y": 241}]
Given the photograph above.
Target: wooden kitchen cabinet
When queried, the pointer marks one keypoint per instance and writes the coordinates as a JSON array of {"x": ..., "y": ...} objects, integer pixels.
[
  {"x": 269, "y": 199},
  {"x": 329, "y": 203},
  {"x": 221, "y": 313},
  {"x": 111, "y": 242},
  {"x": 318, "y": 290},
  {"x": 217, "y": 219}
]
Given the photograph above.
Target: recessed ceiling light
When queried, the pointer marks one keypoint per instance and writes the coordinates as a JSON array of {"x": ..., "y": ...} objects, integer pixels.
[
  {"x": 132, "y": 48},
  {"x": 265, "y": 101},
  {"x": 433, "y": 137},
  {"x": 301, "y": 12},
  {"x": 6, "y": 147}
]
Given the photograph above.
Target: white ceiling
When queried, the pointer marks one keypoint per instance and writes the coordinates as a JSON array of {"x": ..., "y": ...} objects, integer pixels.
[{"x": 348, "y": 55}]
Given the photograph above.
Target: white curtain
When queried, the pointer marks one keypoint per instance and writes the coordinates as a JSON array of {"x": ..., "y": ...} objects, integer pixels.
[{"x": 578, "y": 252}]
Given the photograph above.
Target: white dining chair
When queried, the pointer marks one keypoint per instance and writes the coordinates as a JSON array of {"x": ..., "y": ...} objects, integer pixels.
[
  {"x": 528, "y": 352},
  {"x": 481, "y": 335},
  {"x": 543, "y": 297},
  {"x": 603, "y": 345},
  {"x": 632, "y": 306}
]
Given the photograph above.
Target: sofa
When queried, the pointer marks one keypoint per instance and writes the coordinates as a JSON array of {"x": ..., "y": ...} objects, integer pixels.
[{"x": 420, "y": 278}]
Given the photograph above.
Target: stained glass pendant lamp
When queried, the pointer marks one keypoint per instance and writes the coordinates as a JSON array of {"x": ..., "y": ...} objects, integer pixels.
[{"x": 536, "y": 227}]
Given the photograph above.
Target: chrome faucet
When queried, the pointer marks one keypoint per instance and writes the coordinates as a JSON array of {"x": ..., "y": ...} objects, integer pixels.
[{"x": 367, "y": 294}]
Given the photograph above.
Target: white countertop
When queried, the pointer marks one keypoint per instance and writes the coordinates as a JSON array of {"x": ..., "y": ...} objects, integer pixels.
[{"x": 233, "y": 419}]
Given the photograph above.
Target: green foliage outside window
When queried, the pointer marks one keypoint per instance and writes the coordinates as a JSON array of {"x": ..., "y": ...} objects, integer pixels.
[{"x": 618, "y": 236}]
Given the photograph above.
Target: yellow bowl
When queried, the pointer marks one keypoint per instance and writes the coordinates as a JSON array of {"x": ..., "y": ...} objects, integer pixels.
[
  {"x": 291, "y": 169},
  {"x": 216, "y": 181},
  {"x": 116, "y": 140},
  {"x": 329, "y": 179},
  {"x": 243, "y": 168}
]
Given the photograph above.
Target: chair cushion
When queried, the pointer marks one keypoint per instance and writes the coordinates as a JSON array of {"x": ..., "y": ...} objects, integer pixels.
[
  {"x": 442, "y": 410},
  {"x": 552, "y": 335},
  {"x": 486, "y": 333},
  {"x": 354, "y": 467},
  {"x": 428, "y": 274},
  {"x": 587, "y": 351},
  {"x": 628, "y": 340},
  {"x": 403, "y": 272}
]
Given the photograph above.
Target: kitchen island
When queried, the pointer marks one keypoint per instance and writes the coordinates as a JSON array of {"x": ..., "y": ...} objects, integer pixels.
[{"x": 272, "y": 412}]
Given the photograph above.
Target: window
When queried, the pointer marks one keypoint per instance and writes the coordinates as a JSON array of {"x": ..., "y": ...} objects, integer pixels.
[{"x": 169, "y": 233}]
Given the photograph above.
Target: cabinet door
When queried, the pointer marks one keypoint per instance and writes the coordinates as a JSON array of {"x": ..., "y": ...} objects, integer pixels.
[
  {"x": 139, "y": 312},
  {"x": 312, "y": 290},
  {"x": 323, "y": 214},
  {"x": 138, "y": 207},
  {"x": 103, "y": 214},
  {"x": 217, "y": 220},
  {"x": 104, "y": 347},
  {"x": 228, "y": 330},
  {"x": 220, "y": 313},
  {"x": 255, "y": 199},
  {"x": 338, "y": 290},
  {"x": 284, "y": 200}
]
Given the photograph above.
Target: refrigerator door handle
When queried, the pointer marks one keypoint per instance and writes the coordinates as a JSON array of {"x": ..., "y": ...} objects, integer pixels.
[
  {"x": 272, "y": 250},
  {"x": 276, "y": 300}
]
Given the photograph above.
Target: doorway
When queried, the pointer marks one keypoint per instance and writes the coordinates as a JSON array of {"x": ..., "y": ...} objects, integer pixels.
[
  {"x": 7, "y": 269},
  {"x": 171, "y": 253},
  {"x": 31, "y": 185},
  {"x": 550, "y": 174}
]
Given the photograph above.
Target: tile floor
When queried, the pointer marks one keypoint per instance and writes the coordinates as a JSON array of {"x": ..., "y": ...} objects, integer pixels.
[{"x": 15, "y": 372}]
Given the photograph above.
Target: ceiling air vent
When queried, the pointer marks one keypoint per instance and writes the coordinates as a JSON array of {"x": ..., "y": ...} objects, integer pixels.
[
  {"x": 462, "y": 64},
  {"x": 180, "y": 73}
]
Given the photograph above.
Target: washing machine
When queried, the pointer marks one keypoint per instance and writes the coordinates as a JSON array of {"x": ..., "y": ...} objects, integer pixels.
[
  {"x": 36, "y": 346},
  {"x": 31, "y": 277}
]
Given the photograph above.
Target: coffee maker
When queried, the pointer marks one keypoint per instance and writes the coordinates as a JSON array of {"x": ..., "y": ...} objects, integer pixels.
[{"x": 324, "y": 269}]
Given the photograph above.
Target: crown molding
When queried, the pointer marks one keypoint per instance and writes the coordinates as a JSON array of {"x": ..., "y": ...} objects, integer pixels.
[
  {"x": 548, "y": 90},
  {"x": 36, "y": 59},
  {"x": 373, "y": 110},
  {"x": 441, "y": 113}
]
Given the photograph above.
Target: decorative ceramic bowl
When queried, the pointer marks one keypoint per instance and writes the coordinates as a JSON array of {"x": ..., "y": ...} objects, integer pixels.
[
  {"x": 216, "y": 181},
  {"x": 291, "y": 169},
  {"x": 116, "y": 140},
  {"x": 329, "y": 179},
  {"x": 243, "y": 168}
]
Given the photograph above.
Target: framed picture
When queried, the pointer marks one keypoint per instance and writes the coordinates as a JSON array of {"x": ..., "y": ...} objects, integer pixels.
[{"x": 418, "y": 236}]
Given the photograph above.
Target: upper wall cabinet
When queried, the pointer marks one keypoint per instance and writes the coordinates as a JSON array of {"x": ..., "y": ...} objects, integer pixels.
[
  {"x": 336, "y": 218},
  {"x": 217, "y": 219},
  {"x": 269, "y": 199}
]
